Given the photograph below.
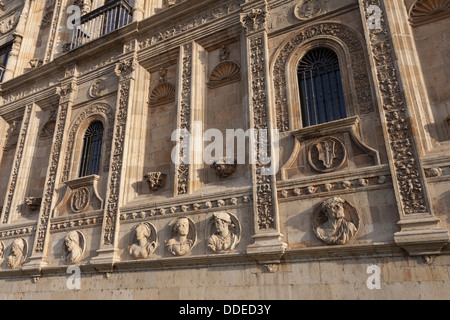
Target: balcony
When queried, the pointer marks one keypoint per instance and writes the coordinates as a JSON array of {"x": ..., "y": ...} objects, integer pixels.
[{"x": 106, "y": 19}]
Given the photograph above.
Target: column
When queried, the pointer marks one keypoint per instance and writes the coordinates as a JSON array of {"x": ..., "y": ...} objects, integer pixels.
[
  {"x": 419, "y": 233},
  {"x": 268, "y": 241},
  {"x": 126, "y": 70},
  {"x": 66, "y": 93}
]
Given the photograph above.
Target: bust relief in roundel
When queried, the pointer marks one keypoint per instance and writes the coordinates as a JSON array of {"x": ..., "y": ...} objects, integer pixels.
[
  {"x": 144, "y": 241},
  {"x": 224, "y": 232},
  {"x": 74, "y": 247},
  {"x": 182, "y": 236},
  {"x": 327, "y": 154},
  {"x": 336, "y": 221}
]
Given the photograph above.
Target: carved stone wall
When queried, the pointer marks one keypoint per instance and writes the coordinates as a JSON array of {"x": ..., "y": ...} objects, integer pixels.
[{"x": 342, "y": 196}]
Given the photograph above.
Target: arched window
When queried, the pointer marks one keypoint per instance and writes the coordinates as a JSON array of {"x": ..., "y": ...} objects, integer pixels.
[
  {"x": 320, "y": 86},
  {"x": 92, "y": 147}
]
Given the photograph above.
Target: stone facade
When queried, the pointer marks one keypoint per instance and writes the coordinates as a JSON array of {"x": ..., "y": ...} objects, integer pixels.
[{"x": 370, "y": 191}]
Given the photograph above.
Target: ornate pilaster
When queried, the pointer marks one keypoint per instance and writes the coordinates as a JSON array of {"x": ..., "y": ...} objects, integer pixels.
[
  {"x": 15, "y": 173},
  {"x": 419, "y": 232},
  {"x": 108, "y": 251},
  {"x": 182, "y": 172},
  {"x": 267, "y": 237},
  {"x": 66, "y": 93}
]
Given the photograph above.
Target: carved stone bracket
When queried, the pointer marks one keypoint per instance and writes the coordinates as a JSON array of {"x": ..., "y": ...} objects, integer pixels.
[{"x": 155, "y": 180}]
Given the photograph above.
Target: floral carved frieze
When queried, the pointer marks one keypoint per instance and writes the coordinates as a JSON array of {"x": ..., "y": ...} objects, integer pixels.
[
  {"x": 336, "y": 221},
  {"x": 342, "y": 34}
]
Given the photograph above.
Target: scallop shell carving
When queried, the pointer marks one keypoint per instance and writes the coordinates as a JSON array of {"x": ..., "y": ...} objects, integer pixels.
[
  {"x": 162, "y": 94},
  {"x": 226, "y": 72},
  {"x": 426, "y": 11}
]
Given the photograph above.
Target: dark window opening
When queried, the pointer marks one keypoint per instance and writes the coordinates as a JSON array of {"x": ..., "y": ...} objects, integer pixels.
[
  {"x": 5, "y": 52},
  {"x": 320, "y": 86},
  {"x": 92, "y": 147}
]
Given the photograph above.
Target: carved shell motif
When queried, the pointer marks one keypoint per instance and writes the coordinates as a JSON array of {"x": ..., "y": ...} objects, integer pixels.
[
  {"x": 162, "y": 94},
  {"x": 226, "y": 72},
  {"x": 426, "y": 11}
]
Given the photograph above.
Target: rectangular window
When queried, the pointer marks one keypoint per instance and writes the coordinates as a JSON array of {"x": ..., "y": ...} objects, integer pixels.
[{"x": 5, "y": 52}]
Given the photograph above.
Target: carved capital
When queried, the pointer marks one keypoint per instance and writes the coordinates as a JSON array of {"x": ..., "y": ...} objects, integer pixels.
[
  {"x": 124, "y": 69},
  {"x": 255, "y": 20}
]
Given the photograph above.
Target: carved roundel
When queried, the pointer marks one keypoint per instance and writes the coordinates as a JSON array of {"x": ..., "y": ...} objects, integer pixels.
[
  {"x": 223, "y": 232},
  {"x": 327, "y": 154},
  {"x": 182, "y": 236},
  {"x": 307, "y": 9},
  {"x": 336, "y": 221},
  {"x": 80, "y": 199}
]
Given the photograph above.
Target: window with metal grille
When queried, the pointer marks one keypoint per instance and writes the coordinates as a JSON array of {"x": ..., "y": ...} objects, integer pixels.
[
  {"x": 92, "y": 147},
  {"x": 320, "y": 86}
]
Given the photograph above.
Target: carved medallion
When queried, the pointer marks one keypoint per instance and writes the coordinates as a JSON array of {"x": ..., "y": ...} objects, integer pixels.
[
  {"x": 182, "y": 236},
  {"x": 224, "y": 232},
  {"x": 96, "y": 88},
  {"x": 145, "y": 237},
  {"x": 307, "y": 9},
  {"x": 19, "y": 251},
  {"x": 327, "y": 154},
  {"x": 80, "y": 200},
  {"x": 73, "y": 248},
  {"x": 336, "y": 221}
]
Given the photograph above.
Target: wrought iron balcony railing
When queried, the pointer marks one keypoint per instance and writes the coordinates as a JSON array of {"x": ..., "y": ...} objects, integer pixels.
[{"x": 106, "y": 19}]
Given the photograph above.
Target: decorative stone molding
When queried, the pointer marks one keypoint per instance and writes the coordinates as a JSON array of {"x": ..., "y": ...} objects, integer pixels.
[
  {"x": 19, "y": 252},
  {"x": 17, "y": 231},
  {"x": 57, "y": 9},
  {"x": 155, "y": 180},
  {"x": 186, "y": 26},
  {"x": 8, "y": 24},
  {"x": 182, "y": 236},
  {"x": 336, "y": 221},
  {"x": 64, "y": 223},
  {"x": 186, "y": 208},
  {"x": 74, "y": 247},
  {"x": 2, "y": 252},
  {"x": 145, "y": 241},
  {"x": 342, "y": 34},
  {"x": 427, "y": 11},
  {"x": 224, "y": 232},
  {"x": 308, "y": 9},
  {"x": 184, "y": 121},
  {"x": 164, "y": 92}
]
